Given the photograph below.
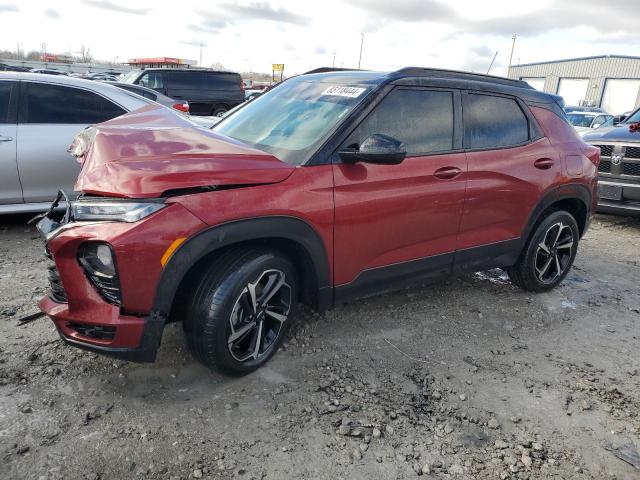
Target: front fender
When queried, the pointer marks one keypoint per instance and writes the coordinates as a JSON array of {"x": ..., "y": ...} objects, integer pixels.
[{"x": 260, "y": 228}]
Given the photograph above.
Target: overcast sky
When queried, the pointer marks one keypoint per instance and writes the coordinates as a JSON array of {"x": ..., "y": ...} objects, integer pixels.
[{"x": 460, "y": 34}]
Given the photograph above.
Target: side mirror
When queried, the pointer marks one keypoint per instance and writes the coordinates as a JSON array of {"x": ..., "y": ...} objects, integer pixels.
[
  {"x": 377, "y": 149},
  {"x": 596, "y": 125}
]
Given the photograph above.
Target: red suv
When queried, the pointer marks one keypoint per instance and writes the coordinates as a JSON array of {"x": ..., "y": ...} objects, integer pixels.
[{"x": 329, "y": 187}]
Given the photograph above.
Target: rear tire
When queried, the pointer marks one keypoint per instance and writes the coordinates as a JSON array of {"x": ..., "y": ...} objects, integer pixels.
[
  {"x": 548, "y": 254},
  {"x": 241, "y": 310}
]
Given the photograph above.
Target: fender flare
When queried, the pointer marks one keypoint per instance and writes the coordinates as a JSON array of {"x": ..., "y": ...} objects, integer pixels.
[
  {"x": 571, "y": 191},
  {"x": 211, "y": 239}
]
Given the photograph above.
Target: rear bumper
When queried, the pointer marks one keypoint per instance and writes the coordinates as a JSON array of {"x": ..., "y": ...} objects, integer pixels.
[
  {"x": 135, "y": 339},
  {"x": 629, "y": 202}
]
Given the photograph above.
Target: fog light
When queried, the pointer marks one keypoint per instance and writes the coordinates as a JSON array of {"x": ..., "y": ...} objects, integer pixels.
[{"x": 99, "y": 264}]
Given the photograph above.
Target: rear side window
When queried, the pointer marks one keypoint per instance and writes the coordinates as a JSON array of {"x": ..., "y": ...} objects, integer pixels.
[
  {"x": 221, "y": 80},
  {"x": 5, "y": 96},
  {"x": 185, "y": 80},
  {"x": 491, "y": 121},
  {"x": 43, "y": 103},
  {"x": 421, "y": 119}
]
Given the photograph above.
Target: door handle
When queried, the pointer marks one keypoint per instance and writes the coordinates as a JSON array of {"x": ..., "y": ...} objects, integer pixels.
[
  {"x": 5, "y": 139},
  {"x": 447, "y": 173},
  {"x": 543, "y": 163}
]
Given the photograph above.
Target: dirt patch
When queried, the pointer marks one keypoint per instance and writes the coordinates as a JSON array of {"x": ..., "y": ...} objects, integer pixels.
[{"x": 469, "y": 378}]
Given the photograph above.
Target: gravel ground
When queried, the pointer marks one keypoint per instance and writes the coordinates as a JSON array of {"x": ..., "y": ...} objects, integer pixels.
[{"x": 469, "y": 378}]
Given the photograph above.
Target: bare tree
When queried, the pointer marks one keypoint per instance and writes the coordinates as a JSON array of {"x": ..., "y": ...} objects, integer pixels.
[
  {"x": 85, "y": 54},
  {"x": 218, "y": 66},
  {"x": 34, "y": 55}
]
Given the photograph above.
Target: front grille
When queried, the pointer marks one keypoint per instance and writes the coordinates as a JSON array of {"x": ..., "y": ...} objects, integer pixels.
[
  {"x": 605, "y": 150},
  {"x": 56, "y": 290},
  {"x": 631, "y": 169},
  {"x": 605, "y": 166},
  {"x": 94, "y": 331},
  {"x": 632, "y": 152}
]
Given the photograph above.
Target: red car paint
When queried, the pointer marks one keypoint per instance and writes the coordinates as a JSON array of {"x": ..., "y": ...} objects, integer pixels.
[
  {"x": 168, "y": 153},
  {"x": 365, "y": 215}
]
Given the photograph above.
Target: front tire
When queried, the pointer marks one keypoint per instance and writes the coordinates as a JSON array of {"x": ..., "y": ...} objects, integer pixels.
[
  {"x": 548, "y": 254},
  {"x": 241, "y": 310}
]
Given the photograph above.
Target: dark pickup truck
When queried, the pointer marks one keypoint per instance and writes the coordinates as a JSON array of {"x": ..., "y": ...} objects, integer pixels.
[{"x": 619, "y": 170}]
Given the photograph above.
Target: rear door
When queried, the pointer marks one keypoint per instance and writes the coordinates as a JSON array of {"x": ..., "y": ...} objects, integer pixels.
[
  {"x": 10, "y": 189},
  {"x": 510, "y": 166},
  {"x": 49, "y": 117}
]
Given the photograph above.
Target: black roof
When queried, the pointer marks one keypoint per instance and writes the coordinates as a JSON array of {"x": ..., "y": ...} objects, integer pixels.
[
  {"x": 407, "y": 72},
  {"x": 418, "y": 76}
]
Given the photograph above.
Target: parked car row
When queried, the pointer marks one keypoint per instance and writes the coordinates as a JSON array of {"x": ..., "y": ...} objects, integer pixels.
[
  {"x": 39, "y": 117},
  {"x": 207, "y": 92}
]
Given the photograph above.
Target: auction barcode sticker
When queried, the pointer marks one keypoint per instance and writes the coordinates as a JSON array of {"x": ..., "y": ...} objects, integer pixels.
[{"x": 351, "y": 92}]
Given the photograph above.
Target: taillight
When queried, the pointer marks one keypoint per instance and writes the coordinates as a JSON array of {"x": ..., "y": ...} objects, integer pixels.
[{"x": 183, "y": 107}]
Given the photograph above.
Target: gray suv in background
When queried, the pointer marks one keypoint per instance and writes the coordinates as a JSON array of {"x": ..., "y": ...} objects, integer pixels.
[{"x": 208, "y": 92}]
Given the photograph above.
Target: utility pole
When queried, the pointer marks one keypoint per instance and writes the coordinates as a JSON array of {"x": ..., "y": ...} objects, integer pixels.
[
  {"x": 44, "y": 50},
  {"x": 361, "y": 43},
  {"x": 513, "y": 46},
  {"x": 491, "y": 64},
  {"x": 333, "y": 64},
  {"x": 200, "y": 63}
]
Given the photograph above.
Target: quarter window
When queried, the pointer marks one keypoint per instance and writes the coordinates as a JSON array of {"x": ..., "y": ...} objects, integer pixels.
[
  {"x": 44, "y": 103},
  {"x": 492, "y": 121},
  {"x": 421, "y": 119}
]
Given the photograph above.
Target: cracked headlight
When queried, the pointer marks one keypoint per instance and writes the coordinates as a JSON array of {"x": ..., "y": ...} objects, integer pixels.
[{"x": 114, "y": 210}]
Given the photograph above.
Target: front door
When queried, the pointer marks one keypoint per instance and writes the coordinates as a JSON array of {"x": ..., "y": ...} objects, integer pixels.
[
  {"x": 394, "y": 222},
  {"x": 10, "y": 189}
]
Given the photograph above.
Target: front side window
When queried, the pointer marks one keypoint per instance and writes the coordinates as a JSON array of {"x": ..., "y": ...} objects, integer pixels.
[
  {"x": 421, "y": 119},
  {"x": 578, "y": 120},
  {"x": 152, "y": 80},
  {"x": 44, "y": 103},
  {"x": 291, "y": 120},
  {"x": 491, "y": 122}
]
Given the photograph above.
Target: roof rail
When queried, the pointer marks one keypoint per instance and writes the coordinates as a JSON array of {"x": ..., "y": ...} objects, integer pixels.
[
  {"x": 332, "y": 69},
  {"x": 457, "y": 74}
]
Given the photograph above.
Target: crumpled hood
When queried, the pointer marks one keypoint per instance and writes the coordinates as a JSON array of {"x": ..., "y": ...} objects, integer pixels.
[
  {"x": 612, "y": 134},
  {"x": 152, "y": 150}
]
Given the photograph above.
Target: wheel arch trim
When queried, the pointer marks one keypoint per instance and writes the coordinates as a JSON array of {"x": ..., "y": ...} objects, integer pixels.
[
  {"x": 211, "y": 239},
  {"x": 571, "y": 191}
]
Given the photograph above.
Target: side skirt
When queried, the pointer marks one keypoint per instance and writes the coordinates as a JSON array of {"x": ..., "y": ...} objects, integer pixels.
[{"x": 397, "y": 276}]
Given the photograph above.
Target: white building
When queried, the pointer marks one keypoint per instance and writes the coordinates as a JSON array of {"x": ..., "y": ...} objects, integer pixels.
[{"x": 611, "y": 82}]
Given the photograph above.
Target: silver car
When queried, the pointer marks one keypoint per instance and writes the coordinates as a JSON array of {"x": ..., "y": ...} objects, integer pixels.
[{"x": 39, "y": 117}]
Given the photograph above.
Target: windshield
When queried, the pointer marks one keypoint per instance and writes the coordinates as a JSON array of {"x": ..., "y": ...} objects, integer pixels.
[
  {"x": 291, "y": 120},
  {"x": 580, "y": 120},
  {"x": 634, "y": 117},
  {"x": 130, "y": 77}
]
